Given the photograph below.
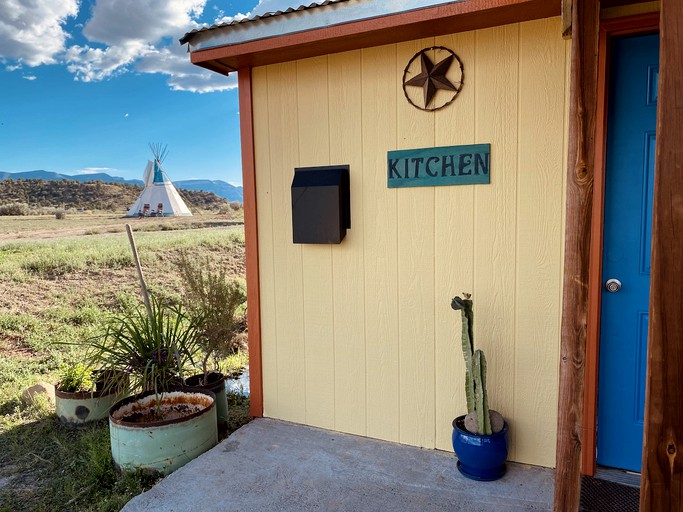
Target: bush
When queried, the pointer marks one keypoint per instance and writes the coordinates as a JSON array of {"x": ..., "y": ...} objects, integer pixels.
[
  {"x": 60, "y": 214},
  {"x": 235, "y": 205},
  {"x": 215, "y": 304},
  {"x": 14, "y": 209}
]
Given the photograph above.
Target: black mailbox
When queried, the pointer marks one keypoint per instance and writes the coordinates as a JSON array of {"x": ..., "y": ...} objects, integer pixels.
[{"x": 321, "y": 211}]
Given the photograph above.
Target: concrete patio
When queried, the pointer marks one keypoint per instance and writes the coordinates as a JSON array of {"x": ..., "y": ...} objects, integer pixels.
[{"x": 271, "y": 465}]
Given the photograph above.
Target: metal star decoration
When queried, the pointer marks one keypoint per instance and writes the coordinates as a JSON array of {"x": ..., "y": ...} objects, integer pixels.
[{"x": 432, "y": 77}]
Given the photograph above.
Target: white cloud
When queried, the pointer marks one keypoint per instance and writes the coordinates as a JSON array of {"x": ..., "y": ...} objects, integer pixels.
[
  {"x": 125, "y": 115},
  {"x": 123, "y": 36},
  {"x": 94, "y": 170},
  {"x": 221, "y": 20},
  {"x": 136, "y": 36},
  {"x": 265, "y": 6},
  {"x": 93, "y": 64},
  {"x": 29, "y": 77},
  {"x": 32, "y": 31},
  {"x": 116, "y": 22},
  {"x": 183, "y": 75}
]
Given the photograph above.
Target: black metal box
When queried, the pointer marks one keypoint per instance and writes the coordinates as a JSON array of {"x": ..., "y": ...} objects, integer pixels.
[{"x": 321, "y": 211}]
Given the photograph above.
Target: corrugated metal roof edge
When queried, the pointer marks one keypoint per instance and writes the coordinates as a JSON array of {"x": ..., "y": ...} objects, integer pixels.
[{"x": 252, "y": 19}]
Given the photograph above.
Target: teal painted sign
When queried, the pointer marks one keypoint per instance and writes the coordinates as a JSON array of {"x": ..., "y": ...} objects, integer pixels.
[{"x": 447, "y": 165}]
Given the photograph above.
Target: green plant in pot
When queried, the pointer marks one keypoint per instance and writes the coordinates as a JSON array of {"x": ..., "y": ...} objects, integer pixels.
[
  {"x": 480, "y": 437},
  {"x": 215, "y": 305},
  {"x": 165, "y": 425},
  {"x": 81, "y": 395},
  {"x": 151, "y": 347}
]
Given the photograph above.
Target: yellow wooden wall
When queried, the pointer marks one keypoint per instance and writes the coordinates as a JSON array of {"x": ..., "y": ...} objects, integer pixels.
[{"x": 360, "y": 337}]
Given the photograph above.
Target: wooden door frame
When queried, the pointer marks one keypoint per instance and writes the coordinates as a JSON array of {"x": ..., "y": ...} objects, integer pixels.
[{"x": 639, "y": 24}]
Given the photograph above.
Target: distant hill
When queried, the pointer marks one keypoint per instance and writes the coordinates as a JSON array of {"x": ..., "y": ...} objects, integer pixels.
[
  {"x": 218, "y": 187},
  {"x": 92, "y": 195}
]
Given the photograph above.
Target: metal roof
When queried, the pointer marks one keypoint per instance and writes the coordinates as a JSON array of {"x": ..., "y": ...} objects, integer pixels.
[{"x": 258, "y": 17}]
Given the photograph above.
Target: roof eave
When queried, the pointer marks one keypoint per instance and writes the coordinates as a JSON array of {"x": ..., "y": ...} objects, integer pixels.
[{"x": 427, "y": 22}]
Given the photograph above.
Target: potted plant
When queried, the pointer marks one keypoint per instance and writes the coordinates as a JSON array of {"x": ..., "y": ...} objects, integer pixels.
[
  {"x": 166, "y": 425},
  {"x": 215, "y": 305},
  {"x": 480, "y": 437},
  {"x": 81, "y": 395}
]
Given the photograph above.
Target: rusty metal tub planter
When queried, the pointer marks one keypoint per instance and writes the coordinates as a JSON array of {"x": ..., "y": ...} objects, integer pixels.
[
  {"x": 162, "y": 446},
  {"x": 79, "y": 408}
]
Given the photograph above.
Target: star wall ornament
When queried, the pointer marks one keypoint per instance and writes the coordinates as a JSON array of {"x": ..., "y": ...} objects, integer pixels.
[{"x": 439, "y": 72}]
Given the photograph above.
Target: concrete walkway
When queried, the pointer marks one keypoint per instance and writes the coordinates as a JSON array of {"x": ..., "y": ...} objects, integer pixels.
[{"x": 270, "y": 465}]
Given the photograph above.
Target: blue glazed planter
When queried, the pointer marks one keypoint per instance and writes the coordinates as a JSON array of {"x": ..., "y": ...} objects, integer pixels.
[{"x": 480, "y": 457}]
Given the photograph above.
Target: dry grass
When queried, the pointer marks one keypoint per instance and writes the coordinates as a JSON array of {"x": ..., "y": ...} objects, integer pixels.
[{"x": 39, "y": 227}]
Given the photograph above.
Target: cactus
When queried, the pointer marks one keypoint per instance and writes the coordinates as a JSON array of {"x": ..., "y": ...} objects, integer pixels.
[{"x": 475, "y": 367}]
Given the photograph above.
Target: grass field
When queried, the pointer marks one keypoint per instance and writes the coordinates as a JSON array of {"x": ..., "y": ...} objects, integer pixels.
[{"x": 54, "y": 294}]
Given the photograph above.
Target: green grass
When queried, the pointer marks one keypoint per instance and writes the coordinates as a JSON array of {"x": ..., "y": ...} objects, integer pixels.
[
  {"x": 21, "y": 260},
  {"x": 57, "y": 468},
  {"x": 53, "y": 296}
]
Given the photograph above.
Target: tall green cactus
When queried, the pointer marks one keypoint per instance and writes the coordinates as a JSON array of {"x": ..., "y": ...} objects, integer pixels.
[{"x": 475, "y": 366}]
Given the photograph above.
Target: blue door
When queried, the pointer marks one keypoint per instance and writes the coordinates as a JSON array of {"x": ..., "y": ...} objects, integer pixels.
[{"x": 629, "y": 179}]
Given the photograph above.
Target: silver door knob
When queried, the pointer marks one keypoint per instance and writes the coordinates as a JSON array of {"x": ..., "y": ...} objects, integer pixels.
[{"x": 613, "y": 285}]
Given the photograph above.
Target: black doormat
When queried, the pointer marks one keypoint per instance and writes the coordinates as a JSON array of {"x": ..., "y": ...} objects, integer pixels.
[{"x": 603, "y": 496}]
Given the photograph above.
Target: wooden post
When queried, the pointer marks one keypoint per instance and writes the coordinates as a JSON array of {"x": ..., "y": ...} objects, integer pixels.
[
  {"x": 251, "y": 242},
  {"x": 136, "y": 259},
  {"x": 582, "y": 116},
  {"x": 661, "y": 484}
]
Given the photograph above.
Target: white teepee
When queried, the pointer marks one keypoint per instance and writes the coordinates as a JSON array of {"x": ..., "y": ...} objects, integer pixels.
[{"x": 159, "y": 197}]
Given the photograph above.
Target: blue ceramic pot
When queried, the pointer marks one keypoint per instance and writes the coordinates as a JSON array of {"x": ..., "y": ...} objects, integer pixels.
[{"x": 480, "y": 457}]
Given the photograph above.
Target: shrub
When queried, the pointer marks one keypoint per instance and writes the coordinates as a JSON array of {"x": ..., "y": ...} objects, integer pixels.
[
  {"x": 14, "y": 209},
  {"x": 235, "y": 205},
  {"x": 215, "y": 304},
  {"x": 60, "y": 214}
]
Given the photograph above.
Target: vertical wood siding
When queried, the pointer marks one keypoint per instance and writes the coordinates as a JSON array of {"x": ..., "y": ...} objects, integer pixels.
[{"x": 360, "y": 337}]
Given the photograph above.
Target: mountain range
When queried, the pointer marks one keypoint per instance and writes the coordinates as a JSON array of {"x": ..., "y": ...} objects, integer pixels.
[{"x": 218, "y": 187}]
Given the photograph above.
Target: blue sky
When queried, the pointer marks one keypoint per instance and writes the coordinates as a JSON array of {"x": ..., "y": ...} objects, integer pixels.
[{"x": 85, "y": 85}]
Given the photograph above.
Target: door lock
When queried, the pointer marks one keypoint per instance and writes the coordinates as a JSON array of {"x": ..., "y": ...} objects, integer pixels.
[{"x": 613, "y": 285}]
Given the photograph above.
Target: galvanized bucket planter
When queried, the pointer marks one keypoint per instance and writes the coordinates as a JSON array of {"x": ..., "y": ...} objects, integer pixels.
[
  {"x": 140, "y": 441},
  {"x": 216, "y": 384},
  {"x": 77, "y": 409}
]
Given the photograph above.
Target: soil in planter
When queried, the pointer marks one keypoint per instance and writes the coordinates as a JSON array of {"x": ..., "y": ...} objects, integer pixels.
[{"x": 173, "y": 406}]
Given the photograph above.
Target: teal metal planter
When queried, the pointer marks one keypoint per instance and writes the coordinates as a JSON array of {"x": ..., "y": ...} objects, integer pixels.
[
  {"x": 77, "y": 409},
  {"x": 140, "y": 441},
  {"x": 215, "y": 384}
]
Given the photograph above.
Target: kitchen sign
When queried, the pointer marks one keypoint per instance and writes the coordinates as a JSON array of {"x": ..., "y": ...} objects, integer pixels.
[{"x": 447, "y": 165}]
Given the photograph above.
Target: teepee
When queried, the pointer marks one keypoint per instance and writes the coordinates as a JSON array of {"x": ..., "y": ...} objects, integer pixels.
[{"x": 159, "y": 197}]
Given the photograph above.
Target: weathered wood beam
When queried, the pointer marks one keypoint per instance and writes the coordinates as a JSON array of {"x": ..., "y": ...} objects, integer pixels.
[
  {"x": 582, "y": 117},
  {"x": 661, "y": 484},
  {"x": 566, "y": 19}
]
